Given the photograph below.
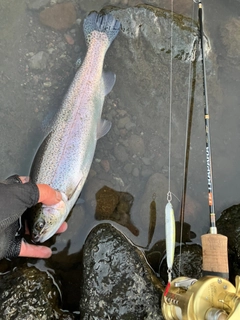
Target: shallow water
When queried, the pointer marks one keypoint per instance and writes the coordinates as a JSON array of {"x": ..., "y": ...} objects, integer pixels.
[{"x": 25, "y": 105}]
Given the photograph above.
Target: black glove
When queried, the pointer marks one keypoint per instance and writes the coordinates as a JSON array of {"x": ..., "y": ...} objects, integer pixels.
[{"x": 15, "y": 198}]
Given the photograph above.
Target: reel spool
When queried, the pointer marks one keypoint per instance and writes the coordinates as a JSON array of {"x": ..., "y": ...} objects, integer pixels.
[{"x": 209, "y": 298}]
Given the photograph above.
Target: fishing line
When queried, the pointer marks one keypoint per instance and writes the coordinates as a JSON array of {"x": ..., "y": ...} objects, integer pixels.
[
  {"x": 169, "y": 196},
  {"x": 190, "y": 103},
  {"x": 169, "y": 213}
]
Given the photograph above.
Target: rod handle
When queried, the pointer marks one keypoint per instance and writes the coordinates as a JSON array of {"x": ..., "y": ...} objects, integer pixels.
[{"x": 215, "y": 255}]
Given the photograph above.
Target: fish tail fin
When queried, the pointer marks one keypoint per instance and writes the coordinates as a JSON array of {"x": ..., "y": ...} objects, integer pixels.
[{"x": 102, "y": 23}]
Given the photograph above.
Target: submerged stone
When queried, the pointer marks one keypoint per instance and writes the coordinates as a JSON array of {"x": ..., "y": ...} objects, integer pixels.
[
  {"x": 115, "y": 205},
  {"x": 37, "y": 4},
  {"x": 59, "y": 17},
  {"x": 39, "y": 61},
  {"x": 117, "y": 281},
  {"x": 230, "y": 38}
]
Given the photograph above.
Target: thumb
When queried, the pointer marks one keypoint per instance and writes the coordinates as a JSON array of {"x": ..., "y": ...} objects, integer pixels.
[{"x": 48, "y": 195}]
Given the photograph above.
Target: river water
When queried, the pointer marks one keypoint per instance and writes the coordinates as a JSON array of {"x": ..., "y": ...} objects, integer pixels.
[{"x": 25, "y": 107}]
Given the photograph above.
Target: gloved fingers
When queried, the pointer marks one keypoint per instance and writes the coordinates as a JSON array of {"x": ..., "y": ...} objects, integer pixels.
[
  {"x": 34, "y": 251},
  {"x": 48, "y": 195},
  {"x": 14, "y": 247},
  {"x": 13, "y": 179}
]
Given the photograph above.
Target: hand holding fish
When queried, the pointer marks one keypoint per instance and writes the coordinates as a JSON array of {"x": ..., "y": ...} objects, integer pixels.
[{"x": 16, "y": 195}]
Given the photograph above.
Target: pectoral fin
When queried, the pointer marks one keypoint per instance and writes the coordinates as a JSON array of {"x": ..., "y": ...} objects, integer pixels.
[
  {"x": 109, "y": 79},
  {"x": 103, "y": 127}
]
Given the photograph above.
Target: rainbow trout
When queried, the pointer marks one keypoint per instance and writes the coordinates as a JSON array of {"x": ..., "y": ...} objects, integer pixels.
[{"x": 64, "y": 158}]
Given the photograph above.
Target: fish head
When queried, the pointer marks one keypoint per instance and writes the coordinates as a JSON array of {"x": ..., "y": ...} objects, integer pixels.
[{"x": 47, "y": 221}]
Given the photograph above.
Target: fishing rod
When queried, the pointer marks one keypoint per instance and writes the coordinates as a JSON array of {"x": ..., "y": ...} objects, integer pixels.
[
  {"x": 212, "y": 297},
  {"x": 214, "y": 246}
]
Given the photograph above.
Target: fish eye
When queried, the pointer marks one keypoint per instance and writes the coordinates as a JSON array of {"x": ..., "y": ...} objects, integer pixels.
[{"x": 39, "y": 225}]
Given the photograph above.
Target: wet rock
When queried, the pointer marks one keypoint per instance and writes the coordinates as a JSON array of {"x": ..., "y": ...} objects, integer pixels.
[
  {"x": 123, "y": 122},
  {"x": 128, "y": 167},
  {"x": 135, "y": 172},
  {"x": 181, "y": 6},
  {"x": 190, "y": 262},
  {"x": 229, "y": 225},
  {"x": 37, "y": 4},
  {"x": 120, "y": 153},
  {"x": 69, "y": 39},
  {"x": 105, "y": 165},
  {"x": 231, "y": 38},
  {"x": 27, "y": 293},
  {"x": 39, "y": 61},
  {"x": 107, "y": 200},
  {"x": 136, "y": 145},
  {"x": 115, "y": 206},
  {"x": 146, "y": 172},
  {"x": 91, "y": 187},
  {"x": 59, "y": 17},
  {"x": 146, "y": 161},
  {"x": 117, "y": 281}
]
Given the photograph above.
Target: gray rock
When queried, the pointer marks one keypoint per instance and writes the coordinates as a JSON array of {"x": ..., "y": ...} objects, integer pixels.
[
  {"x": 39, "y": 61},
  {"x": 59, "y": 17},
  {"x": 123, "y": 122},
  {"x": 230, "y": 35},
  {"x": 37, "y": 4},
  {"x": 117, "y": 281},
  {"x": 120, "y": 153},
  {"x": 146, "y": 161},
  {"x": 136, "y": 145},
  {"x": 135, "y": 172},
  {"x": 27, "y": 293},
  {"x": 130, "y": 125},
  {"x": 61, "y": 45},
  {"x": 128, "y": 167},
  {"x": 146, "y": 171}
]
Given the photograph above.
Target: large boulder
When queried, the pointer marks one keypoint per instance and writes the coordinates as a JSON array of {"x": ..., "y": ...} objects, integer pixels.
[
  {"x": 117, "y": 281},
  {"x": 27, "y": 293}
]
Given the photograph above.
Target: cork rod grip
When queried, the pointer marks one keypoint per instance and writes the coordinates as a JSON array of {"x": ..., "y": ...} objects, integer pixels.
[{"x": 215, "y": 255}]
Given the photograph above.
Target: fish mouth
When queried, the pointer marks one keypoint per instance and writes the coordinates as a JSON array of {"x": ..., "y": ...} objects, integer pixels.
[
  {"x": 35, "y": 237},
  {"x": 38, "y": 230}
]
